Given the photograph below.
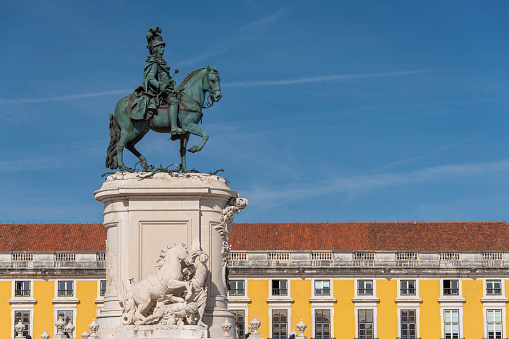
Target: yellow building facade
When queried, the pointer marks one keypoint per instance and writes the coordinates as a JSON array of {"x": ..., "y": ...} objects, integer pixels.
[
  {"x": 390, "y": 310},
  {"x": 339, "y": 292}
]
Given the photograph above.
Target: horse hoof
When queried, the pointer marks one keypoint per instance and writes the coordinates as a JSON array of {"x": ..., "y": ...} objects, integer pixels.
[{"x": 193, "y": 149}]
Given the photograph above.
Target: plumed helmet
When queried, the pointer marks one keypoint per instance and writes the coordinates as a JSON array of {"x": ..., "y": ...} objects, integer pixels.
[{"x": 154, "y": 39}]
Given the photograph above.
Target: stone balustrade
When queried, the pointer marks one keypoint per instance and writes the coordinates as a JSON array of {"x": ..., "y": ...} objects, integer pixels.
[
  {"x": 50, "y": 261},
  {"x": 374, "y": 259}
]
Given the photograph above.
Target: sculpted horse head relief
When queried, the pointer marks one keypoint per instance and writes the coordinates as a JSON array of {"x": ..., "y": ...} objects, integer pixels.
[{"x": 139, "y": 300}]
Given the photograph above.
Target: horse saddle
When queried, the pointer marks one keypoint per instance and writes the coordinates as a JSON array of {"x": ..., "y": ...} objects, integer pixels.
[{"x": 137, "y": 107}]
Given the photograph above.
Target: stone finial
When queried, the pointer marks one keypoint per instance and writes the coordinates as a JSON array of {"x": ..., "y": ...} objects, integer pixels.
[
  {"x": 226, "y": 326},
  {"x": 254, "y": 325},
  {"x": 45, "y": 335},
  {"x": 60, "y": 324},
  {"x": 85, "y": 335},
  {"x": 19, "y": 328},
  {"x": 93, "y": 328},
  {"x": 301, "y": 327},
  {"x": 69, "y": 328}
]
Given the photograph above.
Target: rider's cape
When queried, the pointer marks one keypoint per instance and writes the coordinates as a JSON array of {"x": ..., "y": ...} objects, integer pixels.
[{"x": 144, "y": 98}]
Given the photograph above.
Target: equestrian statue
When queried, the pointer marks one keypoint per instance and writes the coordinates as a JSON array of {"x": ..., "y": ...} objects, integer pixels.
[{"x": 159, "y": 105}]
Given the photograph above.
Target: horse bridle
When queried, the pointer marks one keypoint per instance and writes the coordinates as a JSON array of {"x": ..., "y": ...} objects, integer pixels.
[{"x": 210, "y": 102}]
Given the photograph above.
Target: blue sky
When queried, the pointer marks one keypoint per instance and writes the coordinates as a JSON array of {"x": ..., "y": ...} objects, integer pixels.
[{"x": 331, "y": 110}]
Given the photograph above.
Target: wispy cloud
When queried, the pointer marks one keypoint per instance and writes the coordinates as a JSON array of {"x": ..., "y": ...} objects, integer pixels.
[
  {"x": 245, "y": 34},
  {"x": 54, "y": 156},
  {"x": 324, "y": 78},
  {"x": 436, "y": 151},
  {"x": 4, "y": 101},
  {"x": 352, "y": 186}
]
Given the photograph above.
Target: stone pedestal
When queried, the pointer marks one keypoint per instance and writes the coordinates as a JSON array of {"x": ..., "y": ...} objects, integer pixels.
[{"x": 144, "y": 216}]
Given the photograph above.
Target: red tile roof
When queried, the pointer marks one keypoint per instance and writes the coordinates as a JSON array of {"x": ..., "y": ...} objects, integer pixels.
[
  {"x": 349, "y": 236},
  {"x": 390, "y": 236},
  {"x": 52, "y": 237}
]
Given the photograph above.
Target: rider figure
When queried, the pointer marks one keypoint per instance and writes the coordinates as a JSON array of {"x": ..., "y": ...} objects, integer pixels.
[{"x": 158, "y": 88}]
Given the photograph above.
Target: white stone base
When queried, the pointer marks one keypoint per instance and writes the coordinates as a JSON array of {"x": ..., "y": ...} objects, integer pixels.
[
  {"x": 139, "y": 332},
  {"x": 142, "y": 216}
]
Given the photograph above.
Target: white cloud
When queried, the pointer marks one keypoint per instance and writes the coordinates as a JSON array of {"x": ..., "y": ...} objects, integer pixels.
[
  {"x": 266, "y": 197},
  {"x": 4, "y": 101},
  {"x": 324, "y": 78},
  {"x": 246, "y": 33}
]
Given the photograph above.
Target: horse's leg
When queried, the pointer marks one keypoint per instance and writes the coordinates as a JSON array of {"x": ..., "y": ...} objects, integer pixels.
[
  {"x": 184, "y": 138},
  {"x": 174, "y": 284},
  {"x": 130, "y": 147},
  {"x": 125, "y": 137},
  {"x": 197, "y": 130}
]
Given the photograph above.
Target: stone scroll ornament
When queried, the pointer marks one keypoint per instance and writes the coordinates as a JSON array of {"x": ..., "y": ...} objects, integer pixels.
[{"x": 224, "y": 228}]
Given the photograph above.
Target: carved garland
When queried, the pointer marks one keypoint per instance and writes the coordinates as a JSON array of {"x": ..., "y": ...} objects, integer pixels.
[{"x": 224, "y": 229}]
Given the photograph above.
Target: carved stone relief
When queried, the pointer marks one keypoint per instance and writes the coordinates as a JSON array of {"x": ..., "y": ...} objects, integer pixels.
[
  {"x": 174, "y": 296},
  {"x": 224, "y": 229}
]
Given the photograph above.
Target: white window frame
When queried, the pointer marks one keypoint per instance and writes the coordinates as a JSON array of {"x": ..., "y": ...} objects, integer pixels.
[
  {"x": 74, "y": 288},
  {"x": 494, "y": 302},
  {"x": 315, "y": 307},
  {"x": 460, "y": 288},
  {"x": 13, "y": 289},
  {"x": 331, "y": 292},
  {"x": 288, "y": 317},
  {"x": 288, "y": 294},
  {"x": 245, "y": 289},
  {"x": 375, "y": 316},
  {"x": 23, "y": 307},
  {"x": 65, "y": 307},
  {"x": 408, "y": 295},
  {"x": 460, "y": 319},
  {"x": 485, "y": 311},
  {"x": 246, "y": 317},
  {"x": 411, "y": 306},
  {"x": 493, "y": 296},
  {"x": 99, "y": 288},
  {"x": 364, "y": 296}
]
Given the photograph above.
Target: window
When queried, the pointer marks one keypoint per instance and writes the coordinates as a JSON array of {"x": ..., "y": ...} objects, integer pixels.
[
  {"x": 102, "y": 288},
  {"x": 451, "y": 287},
  {"x": 407, "y": 287},
  {"x": 322, "y": 324},
  {"x": 67, "y": 315},
  {"x": 279, "y": 323},
  {"x": 322, "y": 287},
  {"x": 365, "y": 287},
  {"x": 279, "y": 287},
  {"x": 24, "y": 316},
  {"x": 65, "y": 289},
  {"x": 366, "y": 324},
  {"x": 408, "y": 324},
  {"x": 237, "y": 287},
  {"x": 22, "y": 288},
  {"x": 239, "y": 322},
  {"x": 451, "y": 324},
  {"x": 494, "y": 324},
  {"x": 493, "y": 287}
]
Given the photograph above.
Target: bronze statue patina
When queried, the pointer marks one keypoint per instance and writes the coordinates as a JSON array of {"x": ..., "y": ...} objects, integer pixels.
[{"x": 160, "y": 106}]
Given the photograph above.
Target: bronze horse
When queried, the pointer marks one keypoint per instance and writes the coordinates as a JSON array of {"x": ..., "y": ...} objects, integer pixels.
[{"x": 126, "y": 132}]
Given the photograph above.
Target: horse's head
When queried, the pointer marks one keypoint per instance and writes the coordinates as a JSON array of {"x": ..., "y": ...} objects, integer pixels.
[
  {"x": 211, "y": 83},
  {"x": 175, "y": 251}
]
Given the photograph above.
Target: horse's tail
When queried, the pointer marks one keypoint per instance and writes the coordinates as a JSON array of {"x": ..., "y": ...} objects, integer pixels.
[{"x": 111, "y": 152}]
